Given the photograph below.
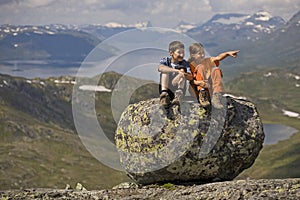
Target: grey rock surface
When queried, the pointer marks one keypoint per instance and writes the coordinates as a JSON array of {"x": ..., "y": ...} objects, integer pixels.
[
  {"x": 188, "y": 143},
  {"x": 239, "y": 189}
]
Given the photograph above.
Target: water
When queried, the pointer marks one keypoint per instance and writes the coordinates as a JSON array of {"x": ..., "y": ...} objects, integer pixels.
[
  {"x": 41, "y": 69},
  {"x": 143, "y": 67},
  {"x": 277, "y": 132}
]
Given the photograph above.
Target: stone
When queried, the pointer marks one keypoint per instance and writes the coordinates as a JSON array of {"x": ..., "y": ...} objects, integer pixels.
[
  {"x": 80, "y": 187},
  {"x": 126, "y": 185},
  {"x": 188, "y": 143},
  {"x": 68, "y": 187}
]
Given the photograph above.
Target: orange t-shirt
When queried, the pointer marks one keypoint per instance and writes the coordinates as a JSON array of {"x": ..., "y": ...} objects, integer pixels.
[{"x": 208, "y": 70}]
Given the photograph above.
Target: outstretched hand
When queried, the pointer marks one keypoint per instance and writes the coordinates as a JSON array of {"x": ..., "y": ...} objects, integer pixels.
[{"x": 233, "y": 53}]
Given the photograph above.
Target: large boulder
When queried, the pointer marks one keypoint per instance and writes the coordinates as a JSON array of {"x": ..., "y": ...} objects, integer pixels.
[{"x": 188, "y": 143}]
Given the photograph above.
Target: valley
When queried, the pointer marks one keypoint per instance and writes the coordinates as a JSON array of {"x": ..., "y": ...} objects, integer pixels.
[{"x": 39, "y": 145}]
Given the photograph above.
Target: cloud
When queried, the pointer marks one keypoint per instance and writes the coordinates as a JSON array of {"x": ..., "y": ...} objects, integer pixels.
[
  {"x": 3, "y": 2},
  {"x": 164, "y": 12},
  {"x": 39, "y": 3},
  {"x": 167, "y": 13},
  {"x": 28, "y": 3},
  {"x": 283, "y": 8},
  {"x": 130, "y": 5},
  {"x": 90, "y": 1}
]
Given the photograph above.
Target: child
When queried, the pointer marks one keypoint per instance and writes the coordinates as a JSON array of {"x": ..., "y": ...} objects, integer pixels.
[
  {"x": 207, "y": 75},
  {"x": 174, "y": 71}
]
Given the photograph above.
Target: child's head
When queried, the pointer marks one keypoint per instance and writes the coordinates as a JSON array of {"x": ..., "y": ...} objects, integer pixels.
[
  {"x": 176, "y": 50},
  {"x": 197, "y": 52}
]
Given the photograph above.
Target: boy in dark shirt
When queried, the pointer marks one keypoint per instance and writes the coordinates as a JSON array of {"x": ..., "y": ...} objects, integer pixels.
[{"x": 174, "y": 71}]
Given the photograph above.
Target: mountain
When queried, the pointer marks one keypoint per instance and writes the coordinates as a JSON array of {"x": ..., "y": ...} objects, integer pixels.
[
  {"x": 55, "y": 44},
  {"x": 278, "y": 49},
  {"x": 224, "y": 27},
  {"x": 265, "y": 41},
  {"x": 45, "y": 43},
  {"x": 183, "y": 26},
  {"x": 285, "y": 41},
  {"x": 104, "y": 31}
]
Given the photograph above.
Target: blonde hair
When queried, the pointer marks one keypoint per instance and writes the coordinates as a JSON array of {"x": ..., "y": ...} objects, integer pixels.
[{"x": 196, "y": 48}]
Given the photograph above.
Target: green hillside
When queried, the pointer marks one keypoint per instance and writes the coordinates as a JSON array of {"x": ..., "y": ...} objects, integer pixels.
[
  {"x": 39, "y": 146},
  {"x": 273, "y": 91}
]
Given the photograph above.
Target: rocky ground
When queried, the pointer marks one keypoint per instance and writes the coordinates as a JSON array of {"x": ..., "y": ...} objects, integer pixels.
[{"x": 238, "y": 189}]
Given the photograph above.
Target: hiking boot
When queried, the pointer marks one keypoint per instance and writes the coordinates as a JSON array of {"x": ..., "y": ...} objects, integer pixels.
[
  {"x": 178, "y": 97},
  {"x": 204, "y": 98},
  {"x": 216, "y": 101},
  {"x": 164, "y": 99}
]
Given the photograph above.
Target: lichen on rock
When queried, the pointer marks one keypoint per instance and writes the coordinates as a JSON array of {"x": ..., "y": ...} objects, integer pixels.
[{"x": 188, "y": 143}]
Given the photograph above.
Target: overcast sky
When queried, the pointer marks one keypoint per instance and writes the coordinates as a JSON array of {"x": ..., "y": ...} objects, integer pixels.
[{"x": 161, "y": 13}]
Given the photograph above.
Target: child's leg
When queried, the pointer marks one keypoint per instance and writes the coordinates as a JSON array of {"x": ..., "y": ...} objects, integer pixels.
[
  {"x": 164, "y": 95},
  {"x": 193, "y": 90},
  {"x": 164, "y": 81},
  {"x": 180, "y": 82},
  {"x": 217, "y": 83},
  {"x": 217, "y": 88},
  {"x": 203, "y": 93},
  {"x": 199, "y": 77}
]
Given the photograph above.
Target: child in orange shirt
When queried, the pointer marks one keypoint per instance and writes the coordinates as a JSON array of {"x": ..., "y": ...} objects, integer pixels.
[{"x": 207, "y": 75}]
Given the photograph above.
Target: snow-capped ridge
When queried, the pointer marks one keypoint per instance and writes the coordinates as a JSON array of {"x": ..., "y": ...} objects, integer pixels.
[
  {"x": 262, "y": 16},
  {"x": 258, "y": 18},
  {"x": 230, "y": 18},
  {"x": 51, "y": 29},
  {"x": 241, "y": 26},
  {"x": 136, "y": 25},
  {"x": 184, "y": 26},
  {"x": 114, "y": 25}
]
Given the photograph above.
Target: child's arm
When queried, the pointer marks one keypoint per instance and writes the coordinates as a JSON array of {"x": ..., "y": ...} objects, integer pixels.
[
  {"x": 221, "y": 56},
  {"x": 165, "y": 69},
  {"x": 199, "y": 77},
  {"x": 183, "y": 74},
  {"x": 202, "y": 83},
  {"x": 188, "y": 76}
]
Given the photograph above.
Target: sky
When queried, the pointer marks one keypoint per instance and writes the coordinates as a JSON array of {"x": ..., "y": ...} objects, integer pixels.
[{"x": 161, "y": 13}]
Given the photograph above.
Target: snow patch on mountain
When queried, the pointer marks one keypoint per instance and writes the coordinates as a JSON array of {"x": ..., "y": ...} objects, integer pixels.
[
  {"x": 230, "y": 18},
  {"x": 96, "y": 88},
  {"x": 114, "y": 25},
  {"x": 184, "y": 26},
  {"x": 290, "y": 113},
  {"x": 238, "y": 26},
  {"x": 136, "y": 25},
  {"x": 263, "y": 16}
]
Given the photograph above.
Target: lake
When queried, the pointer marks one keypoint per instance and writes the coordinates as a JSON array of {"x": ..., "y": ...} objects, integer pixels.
[
  {"x": 41, "y": 70},
  {"x": 277, "y": 132}
]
